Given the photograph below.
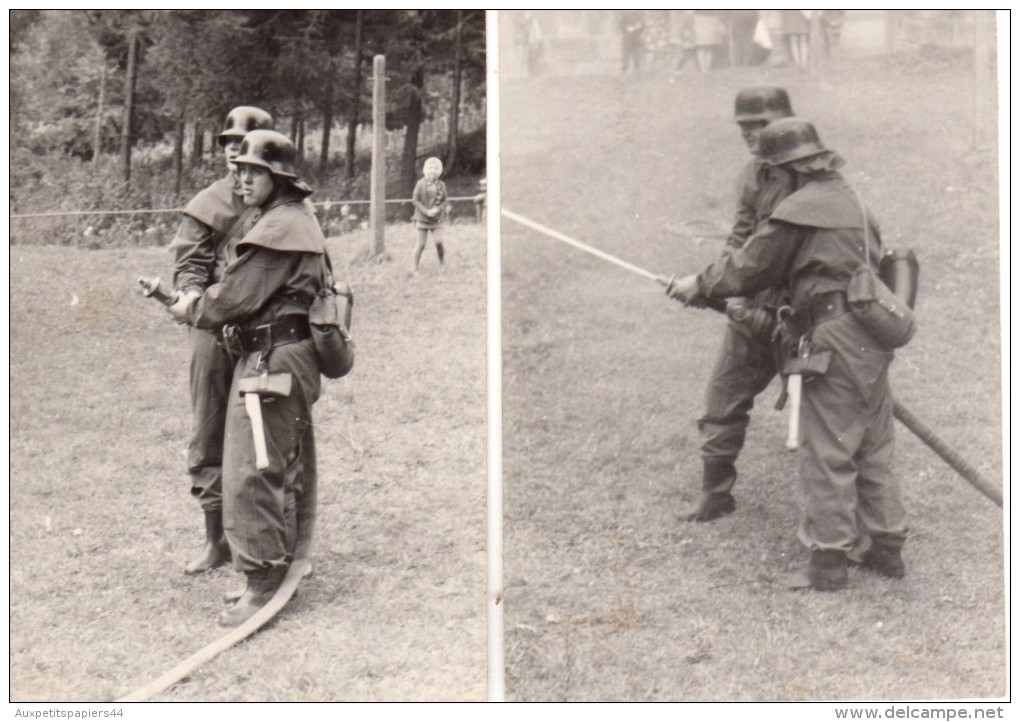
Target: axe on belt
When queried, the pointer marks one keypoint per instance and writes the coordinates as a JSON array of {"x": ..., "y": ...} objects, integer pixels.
[{"x": 253, "y": 389}]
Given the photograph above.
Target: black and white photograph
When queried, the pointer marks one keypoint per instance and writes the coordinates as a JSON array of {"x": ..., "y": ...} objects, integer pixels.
[
  {"x": 686, "y": 196},
  {"x": 247, "y": 327},
  {"x": 530, "y": 356}
]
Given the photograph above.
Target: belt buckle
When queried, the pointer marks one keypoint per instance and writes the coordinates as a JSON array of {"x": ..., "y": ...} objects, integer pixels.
[{"x": 266, "y": 328}]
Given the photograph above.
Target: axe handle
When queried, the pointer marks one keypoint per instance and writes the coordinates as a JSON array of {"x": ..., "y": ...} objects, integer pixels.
[
  {"x": 793, "y": 387},
  {"x": 253, "y": 405}
]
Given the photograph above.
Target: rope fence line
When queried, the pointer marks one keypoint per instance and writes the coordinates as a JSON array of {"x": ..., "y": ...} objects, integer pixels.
[{"x": 156, "y": 211}]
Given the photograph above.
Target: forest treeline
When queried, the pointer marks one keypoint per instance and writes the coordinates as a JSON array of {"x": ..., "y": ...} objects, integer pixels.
[{"x": 124, "y": 104}]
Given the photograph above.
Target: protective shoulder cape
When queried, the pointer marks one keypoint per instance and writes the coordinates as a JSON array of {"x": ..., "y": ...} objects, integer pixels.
[
  {"x": 821, "y": 204},
  {"x": 288, "y": 227},
  {"x": 747, "y": 179},
  {"x": 216, "y": 206}
]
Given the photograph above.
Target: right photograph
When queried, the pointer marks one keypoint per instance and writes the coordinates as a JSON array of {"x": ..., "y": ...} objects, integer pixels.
[{"x": 752, "y": 372}]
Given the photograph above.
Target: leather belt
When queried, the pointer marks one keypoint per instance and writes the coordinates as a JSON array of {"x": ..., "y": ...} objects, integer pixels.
[
  {"x": 825, "y": 306},
  {"x": 290, "y": 329}
]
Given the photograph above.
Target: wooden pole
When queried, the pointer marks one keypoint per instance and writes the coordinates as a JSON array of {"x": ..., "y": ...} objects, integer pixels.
[
  {"x": 378, "y": 184},
  {"x": 129, "y": 96}
]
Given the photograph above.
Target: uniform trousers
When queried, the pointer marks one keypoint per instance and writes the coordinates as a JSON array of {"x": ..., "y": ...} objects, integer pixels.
[
  {"x": 267, "y": 511},
  {"x": 847, "y": 425},
  {"x": 744, "y": 367},
  {"x": 211, "y": 371}
]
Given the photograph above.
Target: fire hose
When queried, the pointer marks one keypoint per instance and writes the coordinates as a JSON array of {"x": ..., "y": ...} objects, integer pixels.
[
  {"x": 901, "y": 412},
  {"x": 300, "y": 567}
]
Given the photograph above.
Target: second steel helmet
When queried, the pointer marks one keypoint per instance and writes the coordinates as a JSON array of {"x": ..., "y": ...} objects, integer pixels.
[
  {"x": 269, "y": 149},
  {"x": 789, "y": 139},
  {"x": 244, "y": 119},
  {"x": 764, "y": 103}
]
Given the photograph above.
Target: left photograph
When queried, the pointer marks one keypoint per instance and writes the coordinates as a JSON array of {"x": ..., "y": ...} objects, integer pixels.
[{"x": 247, "y": 355}]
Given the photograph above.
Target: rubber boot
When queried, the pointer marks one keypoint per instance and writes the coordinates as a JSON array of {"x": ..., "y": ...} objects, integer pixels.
[
  {"x": 826, "y": 572},
  {"x": 216, "y": 551},
  {"x": 883, "y": 559},
  {"x": 262, "y": 585},
  {"x": 715, "y": 500},
  {"x": 232, "y": 595}
]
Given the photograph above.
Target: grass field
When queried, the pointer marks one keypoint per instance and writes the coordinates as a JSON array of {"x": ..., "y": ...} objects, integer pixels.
[
  {"x": 102, "y": 522},
  {"x": 608, "y": 596}
]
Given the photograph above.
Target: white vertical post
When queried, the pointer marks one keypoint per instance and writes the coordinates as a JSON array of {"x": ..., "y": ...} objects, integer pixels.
[{"x": 494, "y": 535}]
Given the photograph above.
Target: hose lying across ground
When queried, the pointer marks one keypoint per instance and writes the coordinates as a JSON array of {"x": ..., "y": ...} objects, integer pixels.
[{"x": 300, "y": 567}]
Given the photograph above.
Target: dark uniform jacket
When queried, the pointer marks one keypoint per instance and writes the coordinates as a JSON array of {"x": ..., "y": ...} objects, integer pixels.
[
  {"x": 761, "y": 187},
  {"x": 200, "y": 255},
  {"x": 277, "y": 272},
  {"x": 811, "y": 245}
]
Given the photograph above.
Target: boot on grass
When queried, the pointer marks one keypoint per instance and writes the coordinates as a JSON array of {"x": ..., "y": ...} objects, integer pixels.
[
  {"x": 825, "y": 572},
  {"x": 262, "y": 585},
  {"x": 715, "y": 500},
  {"x": 216, "y": 552}
]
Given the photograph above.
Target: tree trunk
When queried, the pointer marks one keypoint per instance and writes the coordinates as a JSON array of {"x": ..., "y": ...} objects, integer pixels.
[
  {"x": 129, "y": 98},
  {"x": 451, "y": 143},
  {"x": 377, "y": 194},
  {"x": 300, "y": 143},
  {"x": 415, "y": 112},
  {"x": 97, "y": 145},
  {"x": 327, "y": 118},
  {"x": 352, "y": 121},
  {"x": 197, "y": 143},
  {"x": 178, "y": 152}
]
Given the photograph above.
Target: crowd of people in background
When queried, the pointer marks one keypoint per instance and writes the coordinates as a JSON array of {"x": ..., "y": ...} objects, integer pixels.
[
  {"x": 664, "y": 41},
  {"x": 677, "y": 41}
]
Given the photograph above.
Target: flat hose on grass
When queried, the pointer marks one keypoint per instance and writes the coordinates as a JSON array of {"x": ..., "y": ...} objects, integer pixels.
[
  {"x": 299, "y": 568},
  {"x": 253, "y": 624}
]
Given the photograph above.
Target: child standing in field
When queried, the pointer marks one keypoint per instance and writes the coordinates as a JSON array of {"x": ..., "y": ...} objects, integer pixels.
[{"x": 430, "y": 200}]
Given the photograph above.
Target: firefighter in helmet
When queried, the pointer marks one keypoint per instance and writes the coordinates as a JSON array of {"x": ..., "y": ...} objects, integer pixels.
[
  {"x": 262, "y": 302},
  {"x": 745, "y": 363},
  {"x": 812, "y": 244},
  {"x": 202, "y": 248}
]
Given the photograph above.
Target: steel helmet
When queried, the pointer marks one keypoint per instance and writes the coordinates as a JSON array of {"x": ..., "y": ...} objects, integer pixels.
[
  {"x": 764, "y": 103},
  {"x": 269, "y": 149},
  {"x": 244, "y": 119},
  {"x": 789, "y": 139}
]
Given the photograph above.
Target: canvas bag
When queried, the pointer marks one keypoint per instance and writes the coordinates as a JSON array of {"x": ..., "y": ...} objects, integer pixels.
[
  {"x": 885, "y": 315},
  {"x": 329, "y": 318}
]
